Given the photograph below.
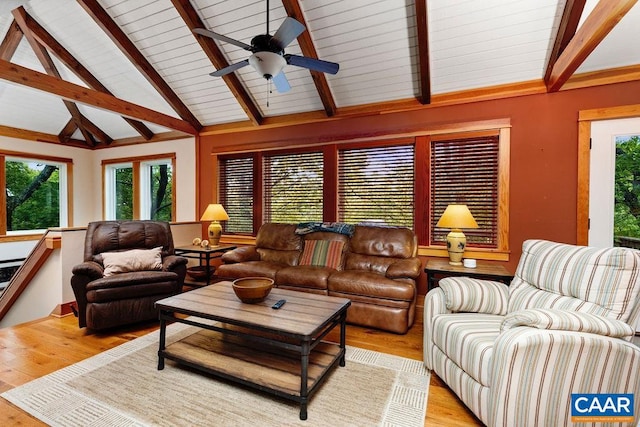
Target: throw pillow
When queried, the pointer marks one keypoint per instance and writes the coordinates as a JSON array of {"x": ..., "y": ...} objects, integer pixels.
[
  {"x": 322, "y": 253},
  {"x": 133, "y": 260}
]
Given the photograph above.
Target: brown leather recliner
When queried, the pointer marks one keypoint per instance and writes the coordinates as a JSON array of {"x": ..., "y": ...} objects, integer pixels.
[{"x": 128, "y": 297}]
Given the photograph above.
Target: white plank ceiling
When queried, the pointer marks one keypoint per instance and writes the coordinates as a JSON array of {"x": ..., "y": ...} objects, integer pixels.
[{"x": 472, "y": 44}]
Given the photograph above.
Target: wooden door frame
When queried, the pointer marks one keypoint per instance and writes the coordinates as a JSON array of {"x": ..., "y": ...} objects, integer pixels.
[{"x": 585, "y": 118}]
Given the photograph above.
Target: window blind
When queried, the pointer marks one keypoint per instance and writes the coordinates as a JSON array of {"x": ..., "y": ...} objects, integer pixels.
[
  {"x": 465, "y": 171},
  {"x": 293, "y": 185},
  {"x": 236, "y": 194},
  {"x": 376, "y": 185}
]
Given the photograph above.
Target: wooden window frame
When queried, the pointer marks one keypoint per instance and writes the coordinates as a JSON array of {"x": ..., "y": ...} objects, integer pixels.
[
  {"x": 136, "y": 163},
  {"x": 4, "y": 237},
  {"x": 422, "y": 141}
]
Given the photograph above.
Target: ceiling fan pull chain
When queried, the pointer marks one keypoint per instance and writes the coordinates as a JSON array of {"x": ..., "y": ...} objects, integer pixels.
[{"x": 268, "y": 91}]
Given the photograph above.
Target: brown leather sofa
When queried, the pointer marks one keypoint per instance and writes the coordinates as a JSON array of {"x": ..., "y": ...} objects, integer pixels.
[
  {"x": 126, "y": 297},
  {"x": 377, "y": 272}
]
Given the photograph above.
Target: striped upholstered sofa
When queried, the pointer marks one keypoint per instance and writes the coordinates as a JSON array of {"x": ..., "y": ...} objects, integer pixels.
[{"x": 514, "y": 355}]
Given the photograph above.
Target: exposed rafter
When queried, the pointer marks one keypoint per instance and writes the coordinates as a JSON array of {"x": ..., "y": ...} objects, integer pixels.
[
  {"x": 213, "y": 52},
  {"x": 566, "y": 30},
  {"x": 10, "y": 42},
  {"x": 422, "y": 26},
  {"x": 47, "y": 40},
  {"x": 102, "y": 18},
  {"x": 89, "y": 130},
  {"x": 595, "y": 28},
  {"x": 309, "y": 50},
  {"x": 29, "y": 78}
]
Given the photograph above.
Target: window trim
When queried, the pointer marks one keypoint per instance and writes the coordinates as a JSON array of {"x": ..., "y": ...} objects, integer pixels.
[
  {"x": 137, "y": 164},
  {"x": 68, "y": 203},
  {"x": 421, "y": 190}
]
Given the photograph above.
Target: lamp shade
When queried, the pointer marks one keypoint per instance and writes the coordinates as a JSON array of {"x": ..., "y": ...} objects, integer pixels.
[
  {"x": 268, "y": 64},
  {"x": 457, "y": 216},
  {"x": 214, "y": 212}
]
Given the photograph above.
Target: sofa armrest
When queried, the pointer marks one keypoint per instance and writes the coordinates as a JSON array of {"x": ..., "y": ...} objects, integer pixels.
[
  {"x": 434, "y": 305},
  {"x": 91, "y": 269},
  {"x": 241, "y": 254},
  {"x": 535, "y": 371},
  {"x": 563, "y": 320},
  {"x": 404, "y": 268},
  {"x": 171, "y": 262},
  {"x": 475, "y": 295}
]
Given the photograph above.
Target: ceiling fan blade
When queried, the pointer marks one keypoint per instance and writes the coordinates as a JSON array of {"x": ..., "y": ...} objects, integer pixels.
[
  {"x": 220, "y": 37},
  {"x": 281, "y": 83},
  {"x": 230, "y": 69},
  {"x": 289, "y": 30},
  {"x": 313, "y": 64}
]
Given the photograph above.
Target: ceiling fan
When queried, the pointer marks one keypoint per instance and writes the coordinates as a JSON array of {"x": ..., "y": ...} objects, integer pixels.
[{"x": 268, "y": 57}]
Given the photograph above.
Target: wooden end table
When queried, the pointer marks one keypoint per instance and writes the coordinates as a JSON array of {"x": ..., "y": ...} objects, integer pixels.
[
  {"x": 483, "y": 270},
  {"x": 204, "y": 255},
  {"x": 282, "y": 352}
]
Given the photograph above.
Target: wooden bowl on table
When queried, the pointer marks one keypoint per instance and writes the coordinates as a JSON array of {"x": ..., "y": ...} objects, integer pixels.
[{"x": 251, "y": 290}]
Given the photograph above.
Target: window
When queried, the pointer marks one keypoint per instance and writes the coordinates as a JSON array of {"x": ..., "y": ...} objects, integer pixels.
[
  {"x": 375, "y": 184},
  {"x": 35, "y": 193},
  {"x": 293, "y": 187},
  {"x": 140, "y": 188},
  {"x": 407, "y": 181},
  {"x": 236, "y": 194},
  {"x": 465, "y": 171}
]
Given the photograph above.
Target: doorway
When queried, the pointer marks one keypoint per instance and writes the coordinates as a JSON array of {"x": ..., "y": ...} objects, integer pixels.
[{"x": 610, "y": 223}]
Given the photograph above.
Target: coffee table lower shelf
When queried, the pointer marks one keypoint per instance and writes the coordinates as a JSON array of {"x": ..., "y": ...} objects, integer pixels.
[{"x": 262, "y": 366}]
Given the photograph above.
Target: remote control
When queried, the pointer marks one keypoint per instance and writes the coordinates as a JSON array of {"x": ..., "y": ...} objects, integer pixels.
[{"x": 279, "y": 304}]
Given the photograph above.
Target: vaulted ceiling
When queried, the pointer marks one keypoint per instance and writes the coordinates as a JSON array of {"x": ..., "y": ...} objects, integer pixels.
[{"x": 98, "y": 73}]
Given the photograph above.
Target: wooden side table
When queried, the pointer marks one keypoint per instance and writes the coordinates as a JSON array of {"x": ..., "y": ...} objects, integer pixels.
[
  {"x": 204, "y": 255},
  {"x": 484, "y": 270}
]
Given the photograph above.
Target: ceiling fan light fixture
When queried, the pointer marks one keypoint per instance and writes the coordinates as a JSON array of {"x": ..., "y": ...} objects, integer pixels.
[{"x": 268, "y": 64}]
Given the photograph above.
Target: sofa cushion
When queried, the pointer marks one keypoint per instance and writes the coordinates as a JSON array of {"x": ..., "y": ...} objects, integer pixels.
[
  {"x": 250, "y": 269},
  {"x": 304, "y": 276},
  {"x": 383, "y": 242},
  {"x": 322, "y": 253},
  {"x": 605, "y": 282},
  {"x": 467, "y": 339},
  {"x": 131, "y": 285},
  {"x": 371, "y": 284},
  {"x": 132, "y": 260}
]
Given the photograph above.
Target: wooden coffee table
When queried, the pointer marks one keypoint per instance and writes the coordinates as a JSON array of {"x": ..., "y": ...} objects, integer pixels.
[{"x": 277, "y": 351}]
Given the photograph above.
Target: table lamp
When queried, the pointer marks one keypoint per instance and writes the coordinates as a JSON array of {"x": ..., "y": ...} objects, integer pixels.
[
  {"x": 214, "y": 213},
  {"x": 456, "y": 217}
]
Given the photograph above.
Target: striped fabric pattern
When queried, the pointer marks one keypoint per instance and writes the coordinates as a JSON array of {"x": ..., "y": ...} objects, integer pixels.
[
  {"x": 567, "y": 321},
  {"x": 322, "y": 253},
  {"x": 467, "y": 339},
  {"x": 571, "y": 312},
  {"x": 475, "y": 296},
  {"x": 554, "y": 275},
  {"x": 535, "y": 371}
]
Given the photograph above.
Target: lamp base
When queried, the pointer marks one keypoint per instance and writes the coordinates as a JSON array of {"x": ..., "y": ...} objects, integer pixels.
[
  {"x": 456, "y": 242},
  {"x": 215, "y": 232}
]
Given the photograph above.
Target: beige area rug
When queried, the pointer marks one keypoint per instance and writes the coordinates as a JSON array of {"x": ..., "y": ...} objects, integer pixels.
[{"x": 122, "y": 387}]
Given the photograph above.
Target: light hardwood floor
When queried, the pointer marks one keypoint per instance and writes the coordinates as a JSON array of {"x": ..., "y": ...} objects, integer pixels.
[{"x": 40, "y": 347}]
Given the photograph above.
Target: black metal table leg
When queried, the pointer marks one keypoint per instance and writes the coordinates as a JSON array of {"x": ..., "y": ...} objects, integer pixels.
[
  {"x": 162, "y": 341},
  {"x": 343, "y": 336},
  {"x": 304, "y": 374}
]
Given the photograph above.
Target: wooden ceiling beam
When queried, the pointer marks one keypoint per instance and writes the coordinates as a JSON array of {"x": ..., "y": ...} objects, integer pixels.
[
  {"x": 67, "y": 131},
  {"x": 102, "y": 18},
  {"x": 422, "y": 29},
  {"x": 595, "y": 28},
  {"x": 47, "y": 40},
  {"x": 85, "y": 125},
  {"x": 566, "y": 30},
  {"x": 30, "y": 135},
  {"x": 11, "y": 41},
  {"x": 76, "y": 93},
  {"x": 308, "y": 49},
  {"x": 215, "y": 55}
]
